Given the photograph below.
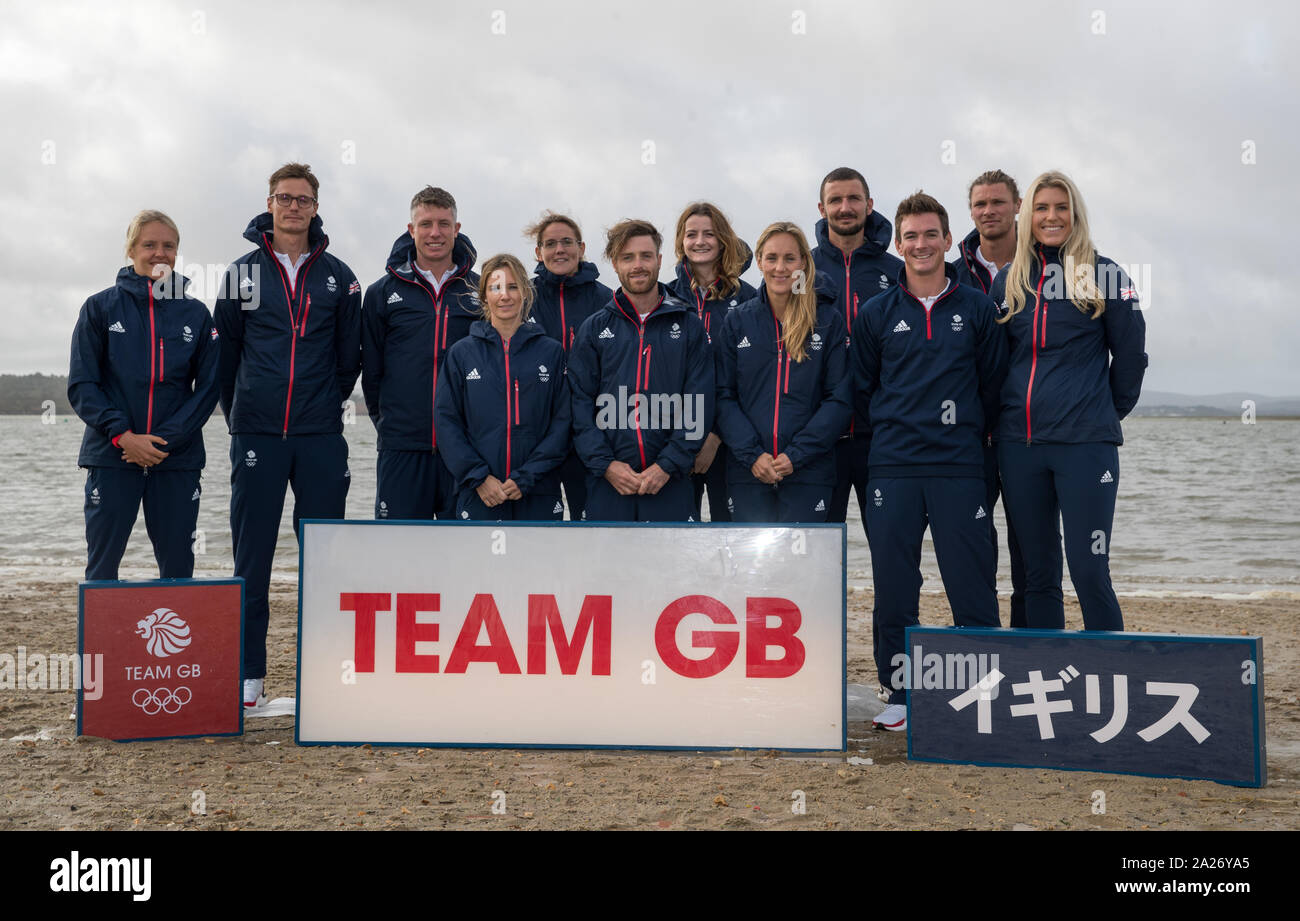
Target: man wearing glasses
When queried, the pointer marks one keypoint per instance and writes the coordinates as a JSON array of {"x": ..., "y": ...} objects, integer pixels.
[{"x": 289, "y": 324}]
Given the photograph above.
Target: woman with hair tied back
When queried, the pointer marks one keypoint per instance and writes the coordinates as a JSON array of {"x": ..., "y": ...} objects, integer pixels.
[
  {"x": 784, "y": 387},
  {"x": 502, "y": 409},
  {"x": 710, "y": 260},
  {"x": 1077, "y": 357},
  {"x": 143, "y": 377}
]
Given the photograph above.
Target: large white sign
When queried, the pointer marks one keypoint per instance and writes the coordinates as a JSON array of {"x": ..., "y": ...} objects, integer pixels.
[{"x": 571, "y": 635}]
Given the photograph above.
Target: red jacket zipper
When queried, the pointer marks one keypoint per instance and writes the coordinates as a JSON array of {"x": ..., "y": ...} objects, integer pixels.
[
  {"x": 640, "y": 349},
  {"x": 291, "y": 290},
  {"x": 1033, "y": 338},
  {"x": 564, "y": 325},
  {"x": 848, "y": 319},
  {"x": 161, "y": 361},
  {"x": 440, "y": 322},
  {"x": 148, "y": 425},
  {"x": 505, "y": 349},
  {"x": 776, "y": 408}
]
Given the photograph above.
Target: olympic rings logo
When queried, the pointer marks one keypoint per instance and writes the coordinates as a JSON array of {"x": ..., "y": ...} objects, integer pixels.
[{"x": 161, "y": 700}]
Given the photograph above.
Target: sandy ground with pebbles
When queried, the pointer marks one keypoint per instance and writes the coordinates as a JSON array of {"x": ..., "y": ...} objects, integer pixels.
[{"x": 264, "y": 781}]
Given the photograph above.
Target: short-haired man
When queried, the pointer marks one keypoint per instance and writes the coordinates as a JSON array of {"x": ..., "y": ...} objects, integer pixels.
[
  {"x": 425, "y": 303},
  {"x": 994, "y": 203},
  {"x": 852, "y": 252},
  {"x": 289, "y": 324},
  {"x": 568, "y": 292},
  {"x": 986, "y": 250},
  {"x": 642, "y": 379},
  {"x": 929, "y": 360}
]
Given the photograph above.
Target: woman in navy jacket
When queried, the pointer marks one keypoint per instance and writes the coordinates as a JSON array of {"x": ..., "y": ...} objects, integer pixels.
[
  {"x": 502, "y": 408},
  {"x": 1077, "y": 357},
  {"x": 784, "y": 387},
  {"x": 143, "y": 377},
  {"x": 710, "y": 261}
]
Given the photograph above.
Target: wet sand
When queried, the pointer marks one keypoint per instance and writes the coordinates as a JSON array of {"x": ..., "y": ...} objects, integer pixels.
[{"x": 264, "y": 781}]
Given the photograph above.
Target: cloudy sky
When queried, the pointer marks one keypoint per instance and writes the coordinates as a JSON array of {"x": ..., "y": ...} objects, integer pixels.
[{"x": 1177, "y": 122}]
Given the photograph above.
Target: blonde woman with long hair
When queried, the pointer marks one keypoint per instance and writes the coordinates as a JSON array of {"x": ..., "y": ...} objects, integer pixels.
[
  {"x": 1077, "y": 357},
  {"x": 784, "y": 387}
]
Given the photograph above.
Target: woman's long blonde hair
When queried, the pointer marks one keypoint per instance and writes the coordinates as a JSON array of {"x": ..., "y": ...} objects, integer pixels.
[
  {"x": 1078, "y": 256},
  {"x": 801, "y": 314}
]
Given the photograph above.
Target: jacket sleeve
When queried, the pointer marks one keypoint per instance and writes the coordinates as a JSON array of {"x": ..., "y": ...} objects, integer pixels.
[
  {"x": 738, "y": 433},
  {"x": 1126, "y": 334},
  {"x": 990, "y": 364},
  {"x": 87, "y": 372},
  {"x": 192, "y": 415},
  {"x": 229, "y": 318},
  {"x": 373, "y": 339},
  {"x": 467, "y": 466},
  {"x": 583, "y": 374},
  {"x": 347, "y": 334},
  {"x": 865, "y": 352},
  {"x": 678, "y": 456},
  {"x": 831, "y": 419},
  {"x": 554, "y": 446}
]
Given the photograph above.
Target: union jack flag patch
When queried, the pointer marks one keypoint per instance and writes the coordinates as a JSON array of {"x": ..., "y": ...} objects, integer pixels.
[
  {"x": 214, "y": 332},
  {"x": 355, "y": 287},
  {"x": 1128, "y": 294}
]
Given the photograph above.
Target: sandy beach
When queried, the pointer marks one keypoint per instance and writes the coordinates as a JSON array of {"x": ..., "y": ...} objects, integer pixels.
[{"x": 52, "y": 780}]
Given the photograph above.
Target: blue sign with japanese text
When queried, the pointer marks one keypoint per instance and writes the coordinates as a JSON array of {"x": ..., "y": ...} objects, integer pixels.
[{"x": 1162, "y": 705}]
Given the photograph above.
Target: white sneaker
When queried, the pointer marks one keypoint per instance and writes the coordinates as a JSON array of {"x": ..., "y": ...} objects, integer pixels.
[
  {"x": 893, "y": 718},
  {"x": 253, "y": 695}
]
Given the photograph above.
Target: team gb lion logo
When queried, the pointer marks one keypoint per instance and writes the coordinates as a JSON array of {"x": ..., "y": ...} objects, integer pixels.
[{"x": 164, "y": 632}]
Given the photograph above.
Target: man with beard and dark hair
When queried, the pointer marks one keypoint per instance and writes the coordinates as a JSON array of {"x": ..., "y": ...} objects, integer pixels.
[
  {"x": 642, "y": 379},
  {"x": 853, "y": 253}
]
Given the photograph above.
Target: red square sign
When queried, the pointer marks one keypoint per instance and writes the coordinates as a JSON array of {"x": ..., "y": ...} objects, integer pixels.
[{"x": 172, "y": 652}]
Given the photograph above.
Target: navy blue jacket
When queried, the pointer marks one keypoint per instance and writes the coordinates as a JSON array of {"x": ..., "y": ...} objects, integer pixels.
[
  {"x": 614, "y": 359},
  {"x": 406, "y": 332},
  {"x": 712, "y": 304},
  {"x": 564, "y": 302},
  {"x": 503, "y": 409},
  {"x": 970, "y": 271},
  {"x": 768, "y": 403},
  {"x": 858, "y": 276},
  {"x": 144, "y": 359},
  {"x": 290, "y": 354},
  {"x": 931, "y": 379},
  {"x": 1078, "y": 377}
]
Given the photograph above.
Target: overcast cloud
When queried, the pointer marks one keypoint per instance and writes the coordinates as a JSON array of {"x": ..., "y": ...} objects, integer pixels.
[{"x": 516, "y": 107}]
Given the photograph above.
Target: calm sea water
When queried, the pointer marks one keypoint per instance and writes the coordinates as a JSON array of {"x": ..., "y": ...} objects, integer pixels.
[{"x": 1206, "y": 506}]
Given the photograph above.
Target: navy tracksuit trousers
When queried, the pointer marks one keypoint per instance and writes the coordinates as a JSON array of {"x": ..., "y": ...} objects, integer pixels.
[
  {"x": 674, "y": 502},
  {"x": 850, "y": 476},
  {"x": 714, "y": 481},
  {"x": 547, "y": 507},
  {"x": 993, "y": 487},
  {"x": 171, "y": 511},
  {"x": 1079, "y": 481},
  {"x": 573, "y": 477},
  {"x": 898, "y": 509},
  {"x": 414, "y": 486},
  {"x": 316, "y": 467},
  {"x": 784, "y": 503}
]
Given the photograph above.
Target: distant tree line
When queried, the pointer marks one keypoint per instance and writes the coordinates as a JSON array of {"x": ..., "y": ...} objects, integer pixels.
[{"x": 26, "y": 395}]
